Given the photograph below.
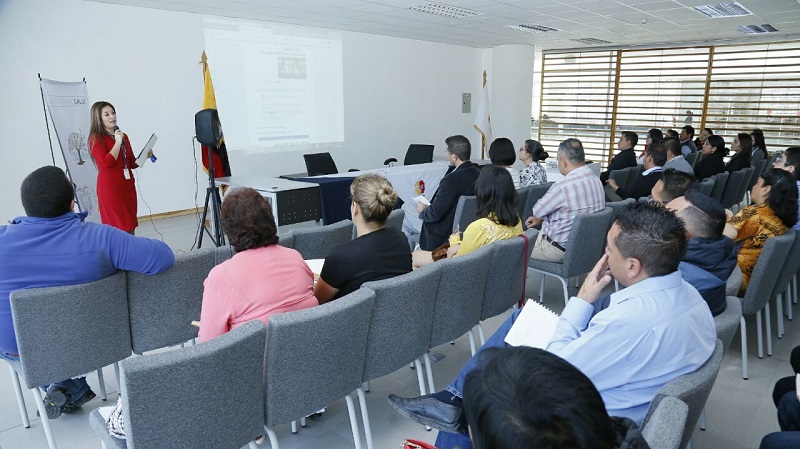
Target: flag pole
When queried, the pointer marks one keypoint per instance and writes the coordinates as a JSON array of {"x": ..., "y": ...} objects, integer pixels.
[{"x": 483, "y": 137}]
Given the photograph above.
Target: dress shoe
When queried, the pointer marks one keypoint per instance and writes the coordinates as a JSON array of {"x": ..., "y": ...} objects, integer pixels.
[{"x": 431, "y": 412}]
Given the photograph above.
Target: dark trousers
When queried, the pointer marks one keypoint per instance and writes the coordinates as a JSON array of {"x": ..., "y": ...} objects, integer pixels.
[{"x": 787, "y": 384}]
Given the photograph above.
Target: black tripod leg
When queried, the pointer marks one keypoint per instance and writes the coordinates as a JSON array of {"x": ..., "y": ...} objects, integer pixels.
[
  {"x": 220, "y": 235},
  {"x": 203, "y": 221}
]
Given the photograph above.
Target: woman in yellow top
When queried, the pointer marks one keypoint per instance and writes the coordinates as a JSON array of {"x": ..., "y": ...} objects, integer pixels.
[
  {"x": 774, "y": 210},
  {"x": 497, "y": 216}
]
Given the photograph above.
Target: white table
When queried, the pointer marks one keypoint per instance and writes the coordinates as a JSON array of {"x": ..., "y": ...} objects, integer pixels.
[{"x": 291, "y": 201}]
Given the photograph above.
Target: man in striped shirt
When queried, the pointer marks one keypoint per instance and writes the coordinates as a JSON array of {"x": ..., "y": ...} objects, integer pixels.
[{"x": 579, "y": 192}]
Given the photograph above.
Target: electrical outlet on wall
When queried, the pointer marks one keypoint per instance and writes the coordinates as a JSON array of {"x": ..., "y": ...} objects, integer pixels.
[{"x": 466, "y": 102}]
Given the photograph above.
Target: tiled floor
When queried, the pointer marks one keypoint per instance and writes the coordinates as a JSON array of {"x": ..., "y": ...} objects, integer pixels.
[{"x": 739, "y": 412}]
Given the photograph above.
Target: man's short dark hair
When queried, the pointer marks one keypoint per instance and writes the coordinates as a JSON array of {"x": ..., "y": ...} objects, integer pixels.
[
  {"x": 659, "y": 154},
  {"x": 460, "y": 146},
  {"x": 247, "y": 220},
  {"x": 673, "y": 133},
  {"x": 47, "y": 193},
  {"x": 676, "y": 184},
  {"x": 689, "y": 130},
  {"x": 501, "y": 152},
  {"x": 792, "y": 157},
  {"x": 572, "y": 149},
  {"x": 705, "y": 218},
  {"x": 631, "y": 137},
  {"x": 521, "y": 397},
  {"x": 673, "y": 146},
  {"x": 708, "y": 131},
  {"x": 653, "y": 235}
]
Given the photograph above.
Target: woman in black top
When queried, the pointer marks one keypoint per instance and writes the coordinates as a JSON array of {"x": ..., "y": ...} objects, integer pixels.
[
  {"x": 376, "y": 253},
  {"x": 742, "y": 146},
  {"x": 711, "y": 163}
]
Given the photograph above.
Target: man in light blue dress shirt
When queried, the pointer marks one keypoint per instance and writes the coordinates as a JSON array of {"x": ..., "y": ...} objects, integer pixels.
[{"x": 629, "y": 344}]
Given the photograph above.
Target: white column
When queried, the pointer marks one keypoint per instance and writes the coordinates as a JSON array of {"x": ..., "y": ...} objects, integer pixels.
[{"x": 511, "y": 88}]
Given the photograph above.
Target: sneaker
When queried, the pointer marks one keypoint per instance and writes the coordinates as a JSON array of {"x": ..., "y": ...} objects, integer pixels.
[{"x": 55, "y": 398}]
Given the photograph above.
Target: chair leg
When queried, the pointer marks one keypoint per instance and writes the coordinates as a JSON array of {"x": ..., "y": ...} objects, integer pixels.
[
  {"x": 760, "y": 335},
  {"x": 351, "y": 410},
  {"x": 471, "y": 342},
  {"x": 37, "y": 396},
  {"x": 779, "y": 313},
  {"x": 429, "y": 372},
  {"x": 303, "y": 421},
  {"x": 365, "y": 386},
  {"x": 421, "y": 382},
  {"x": 294, "y": 426},
  {"x": 794, "y": 289},
  {"x": 788, "y": 297},
  {"x": 362, "y": 403},
  {"x": 703, "y": 419},
  {"x": 273, "y": 439},
  {"x": 541, "y": 289},
  {"x": 480, "y": 334},
  {"x": 743, "y": 328},
  {"x": 768, "y": 322},
  {"x": 566, "y": 292},
  {"x": 116, "y": 374},
  {"x": 102, "y": 382},
  {"x": 252, "y": 445},
  {"x": 23, "y": 411}
]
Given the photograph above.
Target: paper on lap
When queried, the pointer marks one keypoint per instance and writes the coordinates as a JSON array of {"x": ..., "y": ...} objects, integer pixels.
[
  {"x": 315, "y": 265},
  {"x": 534, "y": 326},
  {"x": 422, "y": 199}
]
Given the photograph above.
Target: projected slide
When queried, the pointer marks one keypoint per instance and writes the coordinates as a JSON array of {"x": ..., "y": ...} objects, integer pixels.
[{"x": 278, "y": 87}]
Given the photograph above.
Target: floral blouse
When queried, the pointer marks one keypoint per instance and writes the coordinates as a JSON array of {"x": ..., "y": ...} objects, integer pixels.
[
  {"x": 532, "y": 175},
  {"x": 755, "y": 224}
]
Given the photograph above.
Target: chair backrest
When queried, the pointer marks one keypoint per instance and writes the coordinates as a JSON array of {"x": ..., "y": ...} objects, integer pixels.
[
  {"x": 595, "y": 167},
  {"x": 320, "y": 164},
  {"x": 317, "y": 242},
  {"x": 459, "y": 296},
  {"x": 522, "y": 198},
  {"x": 223, "y": 253},
  {"x": 211, "y": 394},
  {"x": 693, "y": 389},
  {"x": 750, "y": 172},
  {"x": 729, "y": 194},
  {"x": 315, "y": 356},
  {"x": 765, "y": 274},
  {"x": 418, "y": 154},
  {"x": 665, "y": 428},
  {"x": 620, "y": 176},
  {"x": 402, "y": 304},
  {"x": 789, "y": 267},
  {"x": 618, "y": 205},
  {"x": 68, "y": 331},
  {"x": 162, "y": 306},
  {"x": 633, "y": 174},
  {"x": 466, "y": 212},
  {"x": 759, "y": 167},
  {"x": 394, "y": 220},
  {"x": 728, "y": 321},
  {"x": 706, "y": 186},
  {"x": 586, "y": 242},
  {"x": 720, "y": 181},
  {"x": 691, "y": 158},
  {"x": 504, "y": 284},
  {"x": 286, "y": 239},
  {"x": 535, "y": 193}
]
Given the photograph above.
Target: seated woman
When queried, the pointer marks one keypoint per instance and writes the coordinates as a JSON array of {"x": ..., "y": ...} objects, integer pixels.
[
  {"x": 501, "y": 153},
  {"x": 378, "y": 252},
  {"x": 533, "y": 174},
  {"x": 497, "y": 216},
  {"x": 742, "y": 146},
  {"x": 774, "y": 210},
  {"x": 712, "y": 161}
]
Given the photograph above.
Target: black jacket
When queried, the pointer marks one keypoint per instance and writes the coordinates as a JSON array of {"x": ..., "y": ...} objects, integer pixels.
[
  {"x": 623, "y": 159},
  {"x": 707, "y": 265},
  {"x": 437, "y": 219},
  {"x": 641, "y": 186},
  {"x": 738, "y": 161},
  {"x": 710, "y": 165}
]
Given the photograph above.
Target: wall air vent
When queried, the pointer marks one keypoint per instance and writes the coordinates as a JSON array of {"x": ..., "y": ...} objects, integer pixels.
[
  {"x": 757, "y": 29},
  {"x": 531, "y": 28},
  {"x": 590, "y": 41},
  {"x": 445, "y": 10},
  {"x": 721, "y": 10}
]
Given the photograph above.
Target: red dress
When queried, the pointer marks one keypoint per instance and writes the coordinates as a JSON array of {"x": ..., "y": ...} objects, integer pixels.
[{"x": 116, "y": 195}]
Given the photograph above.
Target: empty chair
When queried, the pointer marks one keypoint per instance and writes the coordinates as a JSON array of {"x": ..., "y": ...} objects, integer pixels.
[
  {"x": 706, "y": 186},
  {"x": 418, "y": 154},
  {"x": 320, "y": 164},
  {"x": 720, "y": 181},
  {"x": 535, "y": 193},
  {"x": 691, "y": 158},
  {"x": 787, "y": 272},
  {"x": 466, "y": 212},
  {"x": 317, "y": 242},
  {"x": 731, "y": 191},
  {"x": 204, "y": 396},
  {"x": 664, "y": 429},
  {"x": 163, "y": 306},
  {"x": 53, "y": 350},
  {"x": 315, "y": 357},
  {"x": 585, "y": 245}
]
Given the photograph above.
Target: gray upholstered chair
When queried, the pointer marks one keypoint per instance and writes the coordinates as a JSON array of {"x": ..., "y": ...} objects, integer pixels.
[
  {"x": 633, "y": 173},
  {"x": 759, "y": 291},
  {"x": 51, "y": 351},
  {"x": 782, "y": 284},
  {"x": 223, "y": 253},
  {"x": 706, "y": 186},
  {"x": 203, "y": 396},
  {"x": 535, "y": 193},
  {"x": 163, "y": 306},
  {"x": 728, "y": 321},
  {"x": 735, "y": 182},
  {"x": 620, "y": 176},
  {"x": 759, "y": 168},
  {"x": 585, "y": 246},
  {"x": 394, "y": 220},
  {"x": 720, "y": 181},
  {"x": 691, "y": 158},
  {"x": 744, "y": 187},
  {"x": 522, "y": 198},
  {"x": 693, "y": 389},
  {"x": 286, "y": 239},
  {"x": 317, "y": 242},
  {"x": 664, "y": 429},
  {"x": 618, "y": 205},
  {"x": 315, "y": 357},
  {"x": 466, "y": 212}
]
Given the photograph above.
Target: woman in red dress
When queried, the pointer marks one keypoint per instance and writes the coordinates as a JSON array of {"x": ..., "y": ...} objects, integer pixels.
[{"x": 112, "y": 154}]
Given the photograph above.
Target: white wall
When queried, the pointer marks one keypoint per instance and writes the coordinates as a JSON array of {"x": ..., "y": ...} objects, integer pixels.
[
  {"x": 397, "y": 91},
  {"x": 512, "y": 89}
]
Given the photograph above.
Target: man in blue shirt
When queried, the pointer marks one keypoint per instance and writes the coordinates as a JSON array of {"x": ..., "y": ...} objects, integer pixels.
[
  {"x": 53, "y": 246},
  {"x": 651, "y": 332}
]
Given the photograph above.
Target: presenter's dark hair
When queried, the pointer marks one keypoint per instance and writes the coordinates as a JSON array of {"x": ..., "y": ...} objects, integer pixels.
[
  {"x": 653, "y": 235},
  {"x": 783, "y": 195},
  {"x": 460, "y": 146},
  {"x": 705, "y": 217},
  {"x": 535, "y": 149},
  {"x": 521, "y": 397},
  {"x": 47, "y": 193},
  {"x": 676, "y": 183},
  {"x": 247, "y": 220},
  {"x": 496, "y": 195},
  {"x": 718, "y": 144},
  {"x": 375, "y": 196},
  {"x": 501, "y": 152},
  {"x": 96, "y": 128},
  {"x": 631, "y": 137}
]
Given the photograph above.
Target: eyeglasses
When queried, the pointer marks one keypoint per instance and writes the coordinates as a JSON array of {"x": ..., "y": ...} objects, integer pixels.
[{"x": 780, "y": 161}]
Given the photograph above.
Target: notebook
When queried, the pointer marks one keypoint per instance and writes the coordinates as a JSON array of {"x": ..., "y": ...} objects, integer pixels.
[{"x": 534, "y": 326}]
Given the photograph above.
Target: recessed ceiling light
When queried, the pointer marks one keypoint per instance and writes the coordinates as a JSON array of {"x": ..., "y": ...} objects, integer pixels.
[
  {"x": 445, "y": 10},
  {"x": 757, "y": 29},
  {"x": 531, "y": 28},
  {"x": 590, "y": 41},
  {"x": 720, "y": 10}
]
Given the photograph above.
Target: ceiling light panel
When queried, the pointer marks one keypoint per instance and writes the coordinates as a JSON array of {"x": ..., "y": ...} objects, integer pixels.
[
  {"x": 532, "y": 28},
  {"x": 757, "y": 29},
  {"x": 721, "y": 10},
  {"x": 445, "y": 10}
]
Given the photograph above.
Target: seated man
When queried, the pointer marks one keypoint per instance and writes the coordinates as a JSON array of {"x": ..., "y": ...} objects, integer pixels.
[
  {"x": 687, "y": 140},
  {"x": 527, "y": 395},
  {"x": 626, "y": 156},
  {"x": 654, "y": 158},
  {"x": 790, "y": 161},
  {"x": 437, "y": 219},
  {"x": 673, "y": 183},
  {"x": 579, "y": 192},
  {"x": 652, "y": 331},
  {"x": 53, "y": 246},
  {"x": 710, "y": 256},
  {"x": 675, "y": 157}
]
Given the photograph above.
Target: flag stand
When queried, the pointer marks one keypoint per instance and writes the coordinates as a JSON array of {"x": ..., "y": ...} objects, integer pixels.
[{"x": 212, "y": 196}]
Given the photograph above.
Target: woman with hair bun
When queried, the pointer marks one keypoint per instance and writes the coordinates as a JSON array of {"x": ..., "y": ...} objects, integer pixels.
[
  {"x": 530, "y": 154},
  {"x": 378, "y": 252}
]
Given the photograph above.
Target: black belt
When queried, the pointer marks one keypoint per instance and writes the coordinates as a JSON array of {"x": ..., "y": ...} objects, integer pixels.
[{"x": 554, "y": 243}]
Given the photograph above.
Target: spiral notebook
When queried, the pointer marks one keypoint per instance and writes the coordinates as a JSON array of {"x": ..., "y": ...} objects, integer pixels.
[{"x": 534, "y": 326}]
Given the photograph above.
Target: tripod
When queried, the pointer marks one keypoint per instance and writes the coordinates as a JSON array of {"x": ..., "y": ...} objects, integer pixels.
[{"x": 212, "y": 195}]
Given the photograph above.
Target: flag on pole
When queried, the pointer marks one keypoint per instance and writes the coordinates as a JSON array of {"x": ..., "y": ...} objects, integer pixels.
[
  {"x": 483, "y": 120},
  {"x": 219, "y": 155}
]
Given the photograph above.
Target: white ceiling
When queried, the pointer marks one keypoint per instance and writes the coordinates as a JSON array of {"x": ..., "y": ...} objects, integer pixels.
[{"x": 624, "y": 23}]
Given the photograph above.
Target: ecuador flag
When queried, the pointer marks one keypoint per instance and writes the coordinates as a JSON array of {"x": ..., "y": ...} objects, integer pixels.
[{"x": 219, "y": 155}]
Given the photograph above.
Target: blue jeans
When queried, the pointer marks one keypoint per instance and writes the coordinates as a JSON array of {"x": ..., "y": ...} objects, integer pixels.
[
  {"x": 789, "y": 412},
  {"x": 778, "y": 440},
  {"x": 76, "y": 387}
]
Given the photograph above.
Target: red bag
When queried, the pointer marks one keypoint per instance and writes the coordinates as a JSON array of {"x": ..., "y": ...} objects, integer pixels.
[{"x": 416, "y": 444}]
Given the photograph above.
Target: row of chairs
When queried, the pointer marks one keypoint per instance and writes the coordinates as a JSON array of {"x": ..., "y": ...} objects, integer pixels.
[{"x": 467, "y": 206}]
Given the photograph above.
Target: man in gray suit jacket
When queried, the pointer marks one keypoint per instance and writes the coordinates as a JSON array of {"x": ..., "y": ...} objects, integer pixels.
[{"x": 675, "y": 157}]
